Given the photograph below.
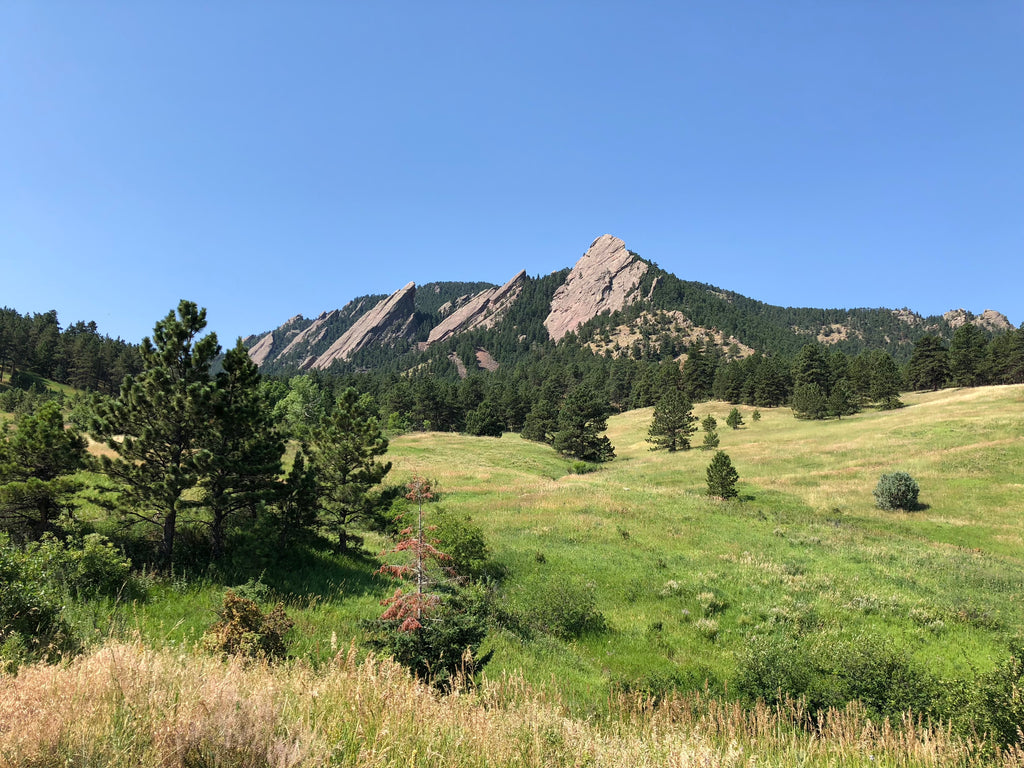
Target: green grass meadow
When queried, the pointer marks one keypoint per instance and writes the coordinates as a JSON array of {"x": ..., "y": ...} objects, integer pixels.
[{"x": 684, "y": 581}]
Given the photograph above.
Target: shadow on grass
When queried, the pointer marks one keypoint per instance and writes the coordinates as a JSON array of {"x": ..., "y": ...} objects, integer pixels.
[{"x": 324, "y": 574}]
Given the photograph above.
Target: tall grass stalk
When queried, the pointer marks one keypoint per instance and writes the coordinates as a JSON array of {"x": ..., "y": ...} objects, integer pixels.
[{"x": 127, "y": 705}]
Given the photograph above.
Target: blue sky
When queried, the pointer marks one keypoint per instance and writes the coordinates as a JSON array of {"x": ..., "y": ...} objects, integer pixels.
[{"x": 269, "y": 159}]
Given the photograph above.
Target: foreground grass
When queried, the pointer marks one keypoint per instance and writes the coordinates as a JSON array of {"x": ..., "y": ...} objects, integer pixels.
[{"x": 126, "y": 704}]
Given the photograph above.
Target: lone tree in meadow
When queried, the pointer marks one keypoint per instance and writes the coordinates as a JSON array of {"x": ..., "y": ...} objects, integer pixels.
[
  {"x": 710, "y": 427},
  {"x": 722, "y": 477},
  {"x": 584, "y": 416},
  {"x": 673, "y": 422},
  {"x": 734, "y": 419}
]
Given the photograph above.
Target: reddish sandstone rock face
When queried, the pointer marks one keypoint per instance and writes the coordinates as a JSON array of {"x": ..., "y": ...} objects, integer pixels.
[
  {"x": 390, "y": 319},
  {"x": 605, "y": 279},
  {"x": 480, "y": 311}
]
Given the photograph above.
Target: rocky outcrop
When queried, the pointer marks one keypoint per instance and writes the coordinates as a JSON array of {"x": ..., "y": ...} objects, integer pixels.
[
  {"x": 604, "y": 280},
  {"x": 480, "y": 311},
  {"x": 312, "y": 334},
  {"x": 908, "y": 317},
  {"x": 270, "y": 345},
  {"x": 989, "y": 320},
  {"x": 390, "y": 319}
]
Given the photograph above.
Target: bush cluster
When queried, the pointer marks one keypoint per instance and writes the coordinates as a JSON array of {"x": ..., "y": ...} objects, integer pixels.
[
  {"x": 561, "y": 607},
  {"x": 829, "y": 672}
]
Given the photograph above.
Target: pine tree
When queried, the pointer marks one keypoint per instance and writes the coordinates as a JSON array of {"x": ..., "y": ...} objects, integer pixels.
[
  {"x": 885, "y": 381},
  {"x": 580, "y": 422},
  {"x": 722, "y": 477},
  {"x": 734, "y": 419},
  {"x": 245, "y": 449},
  {"x": 159, "y": 425},
  {"x": 967, "y": 356},
  {"x": 809, "y": 402},
  {"x": 673, "y": 422},
  {"x": 343, "y": 451},
  {"x": 929, "y": 364},
  {"x": 36, "y": 464},
  {"x": 842, "y": 401}
]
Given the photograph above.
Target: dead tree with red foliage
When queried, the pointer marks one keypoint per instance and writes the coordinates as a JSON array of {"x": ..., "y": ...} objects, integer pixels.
[
  {"x": 410, "y": 607},
  {"x": 435, "y": 629}
]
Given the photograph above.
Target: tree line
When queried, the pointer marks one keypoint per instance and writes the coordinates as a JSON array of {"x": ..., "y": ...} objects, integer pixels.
[{"x": 77, "y": 355}]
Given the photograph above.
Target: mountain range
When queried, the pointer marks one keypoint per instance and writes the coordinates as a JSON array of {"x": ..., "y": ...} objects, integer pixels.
[{"x": 612, "y": 301}]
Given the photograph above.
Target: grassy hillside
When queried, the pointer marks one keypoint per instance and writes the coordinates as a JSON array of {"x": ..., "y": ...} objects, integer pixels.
[
  {"x": 686, "y": 586},
  {"x": 804, "y": 550}
]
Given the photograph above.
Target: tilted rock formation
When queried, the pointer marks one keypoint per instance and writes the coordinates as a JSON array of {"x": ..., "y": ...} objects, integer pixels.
[
  {"x": 312, "y": 334},
  {"x": 481, "y": 311},
  {"x": 270, "y": 345},
  {"x": 604, "y": 279},
  {"x": 390, "y": 319}
]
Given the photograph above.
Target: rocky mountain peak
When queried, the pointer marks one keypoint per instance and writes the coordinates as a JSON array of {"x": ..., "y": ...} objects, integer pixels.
[
  {"x": 480, "y": 311},
  {"x": 604, "y": 279},
  {"x": 390, "y": 319}
]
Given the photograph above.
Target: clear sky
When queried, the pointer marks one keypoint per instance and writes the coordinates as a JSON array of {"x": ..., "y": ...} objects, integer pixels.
[{"x": 268, "y": 159}]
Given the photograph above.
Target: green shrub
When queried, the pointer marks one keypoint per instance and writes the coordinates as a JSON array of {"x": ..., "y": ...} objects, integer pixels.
[
  {"x": 32, "y": 625},
  {"x": 583, "y": 468},
  {"x": 560, "y": 607},
  {"x": 993, "y": 703},
  {"x": 90, "y": 568},
  {"x": 464, "y": 543},
  {"x": 826, "y": 672},
  {"x": 897, "y": 490},
  {"x": 242, "y": 629}
]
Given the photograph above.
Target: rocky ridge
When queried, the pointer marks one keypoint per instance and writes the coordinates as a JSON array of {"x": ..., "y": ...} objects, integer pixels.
[
  {"x": 989, "y": 320},
  {"x": 390, "y": 319},
  {"x": 480, "y": 311},
  {"x": 604, "y": 280}
]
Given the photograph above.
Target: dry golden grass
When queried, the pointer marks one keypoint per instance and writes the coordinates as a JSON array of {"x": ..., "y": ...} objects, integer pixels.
[{"x": 127, "y": 705}]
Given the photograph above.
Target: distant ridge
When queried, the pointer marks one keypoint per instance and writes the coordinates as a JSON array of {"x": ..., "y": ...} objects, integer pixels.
[{"x": 612, "y": 301}]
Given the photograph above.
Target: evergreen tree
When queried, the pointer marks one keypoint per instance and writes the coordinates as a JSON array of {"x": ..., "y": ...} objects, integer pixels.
[
  {"x": 35, "y": 467},
  {"x": 843, "y": 400},
  {"x": 1004, "y": 359},
  {"x": 710, "y": 427},
  {"x": 812, "y": 367},
  {"x": 486, "y": 420},
  {"x": 159, "y": 425},
  {"x": 245, "y": 449},
  {"x": 541, "y": 422},
  {"x": 771, "y": 384},
  {"x": 343, "y": 451},
  {"x": 886, "y": 381},
  {"x": 580, "y": 422},
  {"x": 809, "y": 402},
  {"x": 734, "y": 419},
  {"x": 722, "y": 477},
  {"x": 929, "y": 364},
  {"x": 967, "y": 356},
  {"x": 297, "y": 503},
  {"x": 673, "y": 422}
]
